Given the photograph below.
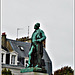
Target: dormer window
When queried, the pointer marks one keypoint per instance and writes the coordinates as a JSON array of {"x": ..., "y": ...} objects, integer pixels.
[
  {"x": 3, "y": 56},
  {"x": 13, "y": 58}
]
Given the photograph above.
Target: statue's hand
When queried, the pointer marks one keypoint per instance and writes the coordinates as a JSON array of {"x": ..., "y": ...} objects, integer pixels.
[
  {"x": 34, "y": 42},
  {"x": 38, "y": 40}
]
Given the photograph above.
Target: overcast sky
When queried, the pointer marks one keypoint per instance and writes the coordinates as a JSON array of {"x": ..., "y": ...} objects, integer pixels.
[{"x": 56, "y": 19}]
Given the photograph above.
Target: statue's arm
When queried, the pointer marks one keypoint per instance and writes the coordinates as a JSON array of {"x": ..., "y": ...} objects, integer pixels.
[{"x": 43, "y": 37}]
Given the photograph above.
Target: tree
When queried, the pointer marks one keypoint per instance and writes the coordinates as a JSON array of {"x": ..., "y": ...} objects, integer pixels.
[
  {"x": 64, "y": 71},
  {"x": 6, "y": 72}
]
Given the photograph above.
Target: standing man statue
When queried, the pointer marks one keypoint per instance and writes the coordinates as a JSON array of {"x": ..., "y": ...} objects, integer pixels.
[{"x": 36, "y": 50}]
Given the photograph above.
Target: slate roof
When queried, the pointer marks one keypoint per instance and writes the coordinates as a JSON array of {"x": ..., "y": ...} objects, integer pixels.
[
  {"x": 46, "y": 57},
  {"x": 16, "y": 47}
]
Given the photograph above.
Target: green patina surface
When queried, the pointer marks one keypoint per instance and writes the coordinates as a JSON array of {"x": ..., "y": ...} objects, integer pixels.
[
  {"x": 36, "y": 51},
  {"x": 32, "y": 69}
]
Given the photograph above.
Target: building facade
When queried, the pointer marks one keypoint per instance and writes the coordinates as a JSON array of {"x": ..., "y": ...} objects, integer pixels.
[{"x": 15, "y": 55}]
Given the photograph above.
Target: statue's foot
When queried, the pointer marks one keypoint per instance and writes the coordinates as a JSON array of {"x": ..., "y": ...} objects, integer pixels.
[
  {"x": 36, "y": 66},
  {"x": 32, "y": 65},
  {"x": 28, "y": 65}
]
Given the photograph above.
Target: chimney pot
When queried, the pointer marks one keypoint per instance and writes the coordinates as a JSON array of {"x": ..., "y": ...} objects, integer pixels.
[
  {"x": 4, "y": 33},
  {"x": 4, "y": 40}
]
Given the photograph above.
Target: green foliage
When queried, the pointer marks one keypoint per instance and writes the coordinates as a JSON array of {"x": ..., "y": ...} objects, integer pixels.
[
  {"x": 64, "y": 71},
  {"x": 6, "y": 72}
]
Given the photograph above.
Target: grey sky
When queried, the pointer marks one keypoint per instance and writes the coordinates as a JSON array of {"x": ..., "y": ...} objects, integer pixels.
[{"x": 56, "y": 18}]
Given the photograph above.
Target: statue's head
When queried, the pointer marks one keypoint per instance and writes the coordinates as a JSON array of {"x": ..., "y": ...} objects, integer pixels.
[{"x": 37, "y": 25}]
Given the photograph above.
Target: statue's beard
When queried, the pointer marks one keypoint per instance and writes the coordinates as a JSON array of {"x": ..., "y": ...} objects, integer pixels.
[{"x": 36, "y": 28}]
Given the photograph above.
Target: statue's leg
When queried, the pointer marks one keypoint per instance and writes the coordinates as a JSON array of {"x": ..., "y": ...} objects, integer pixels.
[
  {"x": 40, "y": 54},
  {"x": 37, "y": 55},
  {"x": 30, "y": 52},
  {"x": 39, "y": 59},
  {"x": 38, "y": 47}
]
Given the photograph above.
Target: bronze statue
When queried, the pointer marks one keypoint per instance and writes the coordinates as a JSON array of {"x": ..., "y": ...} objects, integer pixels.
[{"x": 36, "y": 50}]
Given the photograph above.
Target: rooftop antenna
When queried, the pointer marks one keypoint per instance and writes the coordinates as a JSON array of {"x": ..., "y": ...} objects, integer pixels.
[
  {"x": 28, "y": 31},
  {"x": 18, "y": 30}
]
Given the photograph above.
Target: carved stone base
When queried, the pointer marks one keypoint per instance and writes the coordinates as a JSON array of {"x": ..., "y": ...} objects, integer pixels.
[{"x": 33, "y": 73}]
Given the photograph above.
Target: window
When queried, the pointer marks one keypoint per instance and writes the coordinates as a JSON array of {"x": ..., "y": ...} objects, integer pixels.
[
  {"x": 21, "y": 48},
  {"x": 13, "y": 59},
  {"x": 2, "y": 57},
  {"x": 26, "y": 61}
]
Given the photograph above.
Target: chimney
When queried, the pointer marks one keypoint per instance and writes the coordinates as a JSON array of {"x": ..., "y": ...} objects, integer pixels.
[{"x": 4, "y": 40}]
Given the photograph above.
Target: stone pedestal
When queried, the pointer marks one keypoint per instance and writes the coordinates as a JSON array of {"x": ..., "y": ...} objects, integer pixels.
[
  {"x": 33, "y": 69},
  {"x": 33, "y": 73}
]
